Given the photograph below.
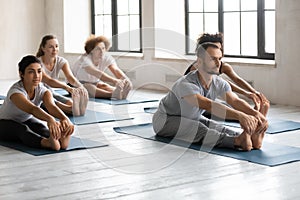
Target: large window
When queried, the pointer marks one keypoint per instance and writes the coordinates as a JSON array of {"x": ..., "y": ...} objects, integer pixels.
[
  {"x": 119, "y": 20},
  {"x": 248, "y": 25}
]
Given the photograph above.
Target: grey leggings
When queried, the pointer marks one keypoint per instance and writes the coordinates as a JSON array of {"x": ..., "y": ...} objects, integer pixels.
[
  {"x": 205, "y": 131},
  {"x": 29, "y": 132}
]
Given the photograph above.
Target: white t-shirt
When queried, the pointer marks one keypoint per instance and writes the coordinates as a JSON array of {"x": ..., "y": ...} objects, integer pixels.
[
  {"x": 59, "y": 63},
  {"x": 54, "y": 73},
  {"x": 10, "y": 111},
  {"x": 85, "y": 61}
]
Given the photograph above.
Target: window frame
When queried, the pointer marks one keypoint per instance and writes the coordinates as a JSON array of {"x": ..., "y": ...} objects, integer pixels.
[
  {"x": 114, "y": 16},
  {"x": 261, "y": 53}
]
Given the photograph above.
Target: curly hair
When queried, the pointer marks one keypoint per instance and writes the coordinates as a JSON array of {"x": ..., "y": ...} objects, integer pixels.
[
  {"x": 93, "y": 41},
  {"x": 207, "y": 37}
]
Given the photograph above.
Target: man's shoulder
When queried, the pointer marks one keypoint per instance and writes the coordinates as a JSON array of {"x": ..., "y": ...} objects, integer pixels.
[{"x": 219, "y": 81}]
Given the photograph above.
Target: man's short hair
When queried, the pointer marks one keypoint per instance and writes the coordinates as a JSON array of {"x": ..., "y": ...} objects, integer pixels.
[{"x": 201, "y": 48}]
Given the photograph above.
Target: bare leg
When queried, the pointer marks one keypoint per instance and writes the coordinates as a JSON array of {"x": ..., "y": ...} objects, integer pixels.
[
  {"x": 66, "y": 108},
  {"x": 243, "y": 141},
  {"x": 98, "y": 92}
]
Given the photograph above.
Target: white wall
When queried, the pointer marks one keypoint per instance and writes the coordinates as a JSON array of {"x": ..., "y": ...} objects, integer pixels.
[
  {"x": 21, "y": 25},
  {"x": 21, "y": 35}
]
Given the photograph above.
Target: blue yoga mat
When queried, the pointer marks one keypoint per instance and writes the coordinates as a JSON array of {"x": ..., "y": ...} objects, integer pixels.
[
  {"x": 92, "y": 117},
  {"x": 2, "y": 97},
  {"x": 75, "y": 144},
  {"x": 151, "y": 110},
  {"x": 123, "y": 101},
  {"x": 61, "y": 91},
  {"x": 270, "y": 154},
  {"x": 275, "y": 125}
]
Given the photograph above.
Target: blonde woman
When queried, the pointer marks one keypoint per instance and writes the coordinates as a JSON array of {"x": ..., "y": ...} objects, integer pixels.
[{"x": 52, "y": 65}]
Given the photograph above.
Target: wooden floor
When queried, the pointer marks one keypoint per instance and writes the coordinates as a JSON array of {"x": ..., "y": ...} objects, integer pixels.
[{"x": 135, "y": 168}]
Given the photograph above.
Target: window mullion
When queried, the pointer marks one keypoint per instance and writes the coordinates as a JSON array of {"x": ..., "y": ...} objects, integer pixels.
[
  {"x": 114, "y": 16},
  {"x": 221, "y": 16},
  {"x": 93, "y": 16},
  {"x": 260, "y": 28},
  {"x": 240, "y": 12},
  {"x": 187, "y": 25}
]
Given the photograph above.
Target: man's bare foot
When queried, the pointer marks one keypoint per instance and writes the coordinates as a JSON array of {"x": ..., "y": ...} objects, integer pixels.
[
  {"x": 243, "y": 141},
  {"x": 257, "y": 138}
]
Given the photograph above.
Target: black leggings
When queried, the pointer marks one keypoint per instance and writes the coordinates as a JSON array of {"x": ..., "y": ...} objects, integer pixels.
[{"x": 29, "y": 132}]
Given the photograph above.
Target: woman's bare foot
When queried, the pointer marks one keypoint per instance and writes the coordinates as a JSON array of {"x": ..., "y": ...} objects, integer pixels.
[
  {"x": 84, "y": 99},
  {"x": 117, "y": 93},
  {"x": 126, "y": 89},
  {"x": 64, "y": 142},
  {"x": 50, "y": 143},
  {"x": 264, "y": 108},
  {"x": 76, "y": 103},
  {"x": 265, "y": 104},
  {"x": 243, "y": 141}
]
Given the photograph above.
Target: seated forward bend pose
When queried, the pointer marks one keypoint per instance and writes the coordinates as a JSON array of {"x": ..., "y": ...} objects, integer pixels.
[
  {"x": 52, "y": 65},
  {"x": 20, "y": 113},
  {"x": 90, "y": 71},
  {"x": 179, "y": 114},
  {"x": 237, "y": 84}
]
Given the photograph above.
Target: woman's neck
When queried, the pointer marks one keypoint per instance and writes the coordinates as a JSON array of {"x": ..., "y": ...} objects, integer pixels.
[
  {"x": 49, "y": 62},
  {"x": 30, "y": 91}
]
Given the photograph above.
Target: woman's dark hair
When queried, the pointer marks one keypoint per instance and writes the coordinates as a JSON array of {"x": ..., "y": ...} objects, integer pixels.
[
  {"x": 26, "y": 61},
  {"x": 43, "y": 43}
]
